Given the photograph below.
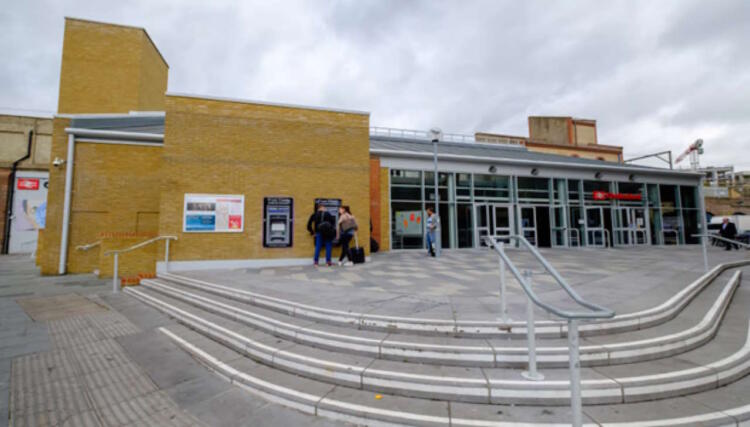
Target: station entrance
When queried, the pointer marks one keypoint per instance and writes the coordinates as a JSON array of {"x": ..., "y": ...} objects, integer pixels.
[{"x": 493, "y": 219}]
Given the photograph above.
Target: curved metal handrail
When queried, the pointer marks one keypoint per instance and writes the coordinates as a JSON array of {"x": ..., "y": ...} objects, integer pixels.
[
  {"x": 718, "y": 237},
  {"x": 597, "y": 311},
  {"x": 140, "y": 245},
  {"x": 88, "y": 246},
  {"x": 569, "y": 231}
]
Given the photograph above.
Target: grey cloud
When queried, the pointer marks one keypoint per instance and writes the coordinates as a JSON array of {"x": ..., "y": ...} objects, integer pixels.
[{"x": 656, "y": 75}]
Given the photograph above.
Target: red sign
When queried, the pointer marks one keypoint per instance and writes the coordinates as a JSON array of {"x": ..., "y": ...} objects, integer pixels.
[
  {"x": 603, "y": 195},
  {"x": 235, "y": 222},
  {"x": 28, "y": 184}
]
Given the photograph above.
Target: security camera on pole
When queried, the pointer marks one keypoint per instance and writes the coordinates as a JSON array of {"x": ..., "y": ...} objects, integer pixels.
[{"x": 435, "y": 134}]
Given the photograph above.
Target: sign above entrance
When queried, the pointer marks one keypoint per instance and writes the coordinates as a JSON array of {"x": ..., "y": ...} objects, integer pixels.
[
  {"x": 28, "y": 184},
  {"x": 213, "y": 213},
  {"x": 603, "y": 195}
]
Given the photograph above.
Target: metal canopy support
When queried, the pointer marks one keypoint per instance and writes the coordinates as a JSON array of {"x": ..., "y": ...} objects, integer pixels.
[{"x": 658, "y": 155}]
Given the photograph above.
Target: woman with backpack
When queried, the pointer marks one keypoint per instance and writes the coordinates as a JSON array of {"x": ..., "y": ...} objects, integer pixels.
[
  {"x": 322, "y": 225},
  {"x": 347, "y": 226}
]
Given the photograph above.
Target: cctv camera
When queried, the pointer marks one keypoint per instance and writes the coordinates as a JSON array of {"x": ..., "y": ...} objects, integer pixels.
[{"x": 58, "y": 162}]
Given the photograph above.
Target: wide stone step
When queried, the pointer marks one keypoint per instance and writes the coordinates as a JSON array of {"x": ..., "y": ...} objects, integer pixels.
[
  {"x": 728, "y": 405},
  {"x": 455, "y": 384},
  {"x": 456, "y": 351},
  {"x": 469, "y": 328}
]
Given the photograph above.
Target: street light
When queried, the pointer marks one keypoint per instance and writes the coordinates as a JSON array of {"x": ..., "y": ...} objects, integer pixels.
[{"x": 435, "y": 134}]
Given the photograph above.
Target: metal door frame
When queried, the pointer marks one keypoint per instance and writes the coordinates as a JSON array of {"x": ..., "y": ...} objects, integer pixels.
[
  {"x": 599, "y": 230},
  {"x": 521, "y": 229},
  {"x": 631, "y": 231},
  {"x": 489, "y": 209}
]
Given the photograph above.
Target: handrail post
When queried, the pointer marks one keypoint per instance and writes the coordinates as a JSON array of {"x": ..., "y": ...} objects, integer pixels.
[
  {"x": 575, "y": 373},
  {"x": 705, "y": 252},
  {"x": 503, "y": 303},
  {"x": 115, "y": 285},
  {"x": 532, "y": 373},
  {"x": 166, "y": 255}
]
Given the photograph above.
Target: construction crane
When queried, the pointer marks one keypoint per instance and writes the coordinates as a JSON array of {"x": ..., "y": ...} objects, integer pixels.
[{"x": 694, "y": 150}]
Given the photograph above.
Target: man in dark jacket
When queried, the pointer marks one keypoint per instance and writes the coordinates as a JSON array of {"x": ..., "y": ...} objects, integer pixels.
[
  {"x": 322, "y": 225},
  {"x": 728, "y": 231}
]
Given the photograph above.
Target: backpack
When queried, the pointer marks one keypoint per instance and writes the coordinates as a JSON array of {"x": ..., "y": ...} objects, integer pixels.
[{"x": 325, "y": 228}]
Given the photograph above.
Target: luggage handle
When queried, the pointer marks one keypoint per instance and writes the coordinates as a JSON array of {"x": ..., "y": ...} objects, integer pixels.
[{"x": 356, "y": 240}]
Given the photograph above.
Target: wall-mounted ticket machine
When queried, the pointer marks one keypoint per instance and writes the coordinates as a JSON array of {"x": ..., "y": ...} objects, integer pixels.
[
  {"x": 332, "y": 206},
  {"x": 278, "y": 219}
]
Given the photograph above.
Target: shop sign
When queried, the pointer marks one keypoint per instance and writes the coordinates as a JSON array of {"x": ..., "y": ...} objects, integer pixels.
[
  {"x": 27, "y": 184},
  {"x": 603, "y": 195},
  {"x": 213, "y": 213}
]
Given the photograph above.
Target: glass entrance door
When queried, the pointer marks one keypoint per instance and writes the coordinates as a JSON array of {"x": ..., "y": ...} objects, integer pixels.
[
  {"x": 594, "y": 226},
  {"x": 493, "y": 220},
  {"x": 631, "y": 227},
  {"x": 527, "y": 224}
]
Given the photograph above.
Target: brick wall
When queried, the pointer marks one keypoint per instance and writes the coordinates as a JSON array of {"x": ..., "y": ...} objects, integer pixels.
[
  {"x": 109, "y": 68},
  {"x": 4, "y": 183},
  {"x": 223, "y": 147}
]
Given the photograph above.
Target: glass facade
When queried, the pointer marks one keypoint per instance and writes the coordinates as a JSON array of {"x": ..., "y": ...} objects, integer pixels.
[{"x": 549, "y": 212}]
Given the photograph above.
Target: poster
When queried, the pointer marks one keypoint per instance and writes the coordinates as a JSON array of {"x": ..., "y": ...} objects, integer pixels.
[
  {"x": 214, "y": 213},
  {"x": 29, "y": 211},
  {"x": 409, "y": 223}
]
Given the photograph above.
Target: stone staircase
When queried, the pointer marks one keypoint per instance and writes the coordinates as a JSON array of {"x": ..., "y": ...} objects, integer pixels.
[{"x": 681, "y": 362}]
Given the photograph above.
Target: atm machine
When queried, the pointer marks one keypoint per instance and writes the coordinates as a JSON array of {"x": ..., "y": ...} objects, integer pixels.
[
  {"x": 331, "y": 205},
  {"x": 278, "y": 222}
]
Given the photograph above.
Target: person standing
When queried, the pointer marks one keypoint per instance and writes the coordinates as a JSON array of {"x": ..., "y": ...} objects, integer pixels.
[
  {"x": 431, "y": 225},
  {"x": 345, "y": 232},
  {"x": 322, "y": 225},
  {"x": 728, "y": 231}
]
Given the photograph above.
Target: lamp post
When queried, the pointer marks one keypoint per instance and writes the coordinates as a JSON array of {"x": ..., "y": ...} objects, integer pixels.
[{"x": 436, "y": 133}]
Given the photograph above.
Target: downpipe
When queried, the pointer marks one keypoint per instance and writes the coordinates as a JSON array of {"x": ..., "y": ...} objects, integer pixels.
[{"x": 11, "y": 192}]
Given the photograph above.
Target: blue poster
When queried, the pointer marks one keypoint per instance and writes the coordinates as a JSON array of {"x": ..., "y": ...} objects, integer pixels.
[{"x": 200, "y": 223}]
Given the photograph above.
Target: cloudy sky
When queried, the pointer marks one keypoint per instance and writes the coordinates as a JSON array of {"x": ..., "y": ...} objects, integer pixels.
[{"x": 655, "y": 75}]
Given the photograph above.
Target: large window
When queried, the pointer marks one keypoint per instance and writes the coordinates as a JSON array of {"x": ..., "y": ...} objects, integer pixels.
[
  {"x": 533, "y": 189},
  {"x": 491, "y": 187}
]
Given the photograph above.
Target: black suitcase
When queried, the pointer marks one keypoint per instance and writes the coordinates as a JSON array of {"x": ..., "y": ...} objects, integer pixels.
[{"x": 357, "y": 253}]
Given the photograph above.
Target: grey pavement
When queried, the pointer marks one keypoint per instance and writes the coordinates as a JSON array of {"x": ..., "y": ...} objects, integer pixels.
[
  {"x": 464, "y": 284},
  {"x": 73, "y": 354}
]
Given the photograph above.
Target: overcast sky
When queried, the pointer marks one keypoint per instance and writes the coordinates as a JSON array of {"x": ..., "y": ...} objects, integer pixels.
[{"x": 655, "y": 75}]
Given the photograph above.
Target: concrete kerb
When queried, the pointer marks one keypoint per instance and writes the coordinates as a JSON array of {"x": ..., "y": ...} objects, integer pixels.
[
  {"x": 337, "y": 409},
  {"x": 614, "y": 390},
  {"x": 470, "y": 328},
  {"x": 484, "y": 356}
]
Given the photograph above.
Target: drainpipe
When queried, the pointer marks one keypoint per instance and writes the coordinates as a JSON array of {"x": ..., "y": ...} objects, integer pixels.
[
  {"x": 9, "y": 195},
  {"x": 66, "y": 204}
]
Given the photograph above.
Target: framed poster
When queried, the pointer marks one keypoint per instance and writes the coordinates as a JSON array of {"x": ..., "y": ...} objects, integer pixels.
[{"x": 213, "y": 213}]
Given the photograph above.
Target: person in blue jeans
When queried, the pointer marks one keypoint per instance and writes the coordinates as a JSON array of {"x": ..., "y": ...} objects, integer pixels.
[
  {"x": 431, "y": 225},
  {"x": 322, "y": 225}
]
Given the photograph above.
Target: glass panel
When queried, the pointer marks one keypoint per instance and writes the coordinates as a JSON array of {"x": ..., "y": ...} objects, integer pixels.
[
  {"x": 465, "y": 229},
  {"x": 406, "y": 193},
  {"x": 668, "y": 195},
  {"x": 429, "y": 192},
  {"x": 463, "y": 180},
  {"x": 502, "y": 217},
  {"x": 573, "y": 189},
  {"x": 690, "y": 219},
  {"x": 402, "y": 177},
  {"x": 688, "y": 197},
  {"x": 491, "y": 186},
  {"x": 429, "y": 179},
  {"x": 407, "y": 220},
  {"x": 653, "y": 195},
  {"x": 447, "y": 216},
  {"x": 655, "y": 220},
  {"x": 590, "y": 186},
  {"x": 533, "y": 188}
]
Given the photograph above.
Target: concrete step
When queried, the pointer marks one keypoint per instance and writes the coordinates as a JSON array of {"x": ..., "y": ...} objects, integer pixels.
[
  {"x": 466, "y": 328},
  {"x": 451, "y": 383},
  {"x": 728, "y": 405},
  {"x": 631, "y": 347}
]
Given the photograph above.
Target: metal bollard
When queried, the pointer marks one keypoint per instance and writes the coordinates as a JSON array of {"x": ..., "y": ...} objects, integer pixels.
[
  {"x": 115, "y": 285},
  {"x": 575, "y": 373},
  {"x": 166, "y": 255},
  {"x": 503, "y": 302},
  {"x": 532, "y": 373}
]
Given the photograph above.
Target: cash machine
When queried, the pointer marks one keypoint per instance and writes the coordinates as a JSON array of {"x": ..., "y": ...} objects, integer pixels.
[
  {"x": 331, "y": 205},
  {"x": 278, "y": 218}
]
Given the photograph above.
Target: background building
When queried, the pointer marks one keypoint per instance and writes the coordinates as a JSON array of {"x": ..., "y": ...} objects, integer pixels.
[{"x": 23, "y": 196}]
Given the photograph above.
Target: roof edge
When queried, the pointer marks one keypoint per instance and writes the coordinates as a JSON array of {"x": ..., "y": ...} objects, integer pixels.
[{"x": 267, "y": 103}]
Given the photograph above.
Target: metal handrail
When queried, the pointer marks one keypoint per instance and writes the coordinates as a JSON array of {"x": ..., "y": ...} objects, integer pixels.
[
  {"x": 88, "y": 246},
  {"x": 718, "y": 237},
  {"x": 671, "y": 230},
  {"x": 597, "y": 311},
  {"x": 117, "y": 252}
]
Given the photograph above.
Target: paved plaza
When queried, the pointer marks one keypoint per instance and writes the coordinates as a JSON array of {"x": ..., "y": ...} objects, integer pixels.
[{"x": 72, "y": 353}]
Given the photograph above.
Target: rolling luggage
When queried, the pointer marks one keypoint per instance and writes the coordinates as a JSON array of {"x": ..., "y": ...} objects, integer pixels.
[{"x": 357, "y": 253}]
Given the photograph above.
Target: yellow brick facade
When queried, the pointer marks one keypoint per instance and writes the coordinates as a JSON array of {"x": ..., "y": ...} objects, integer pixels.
[
  {"x": 109, "y": 69},
  {"x": 258, "y": 150}
]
